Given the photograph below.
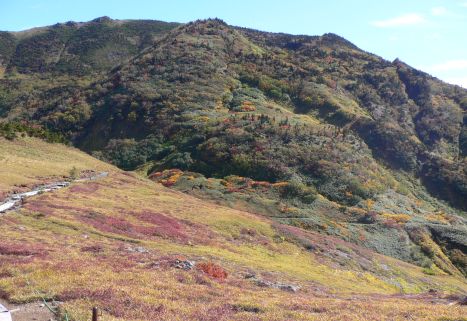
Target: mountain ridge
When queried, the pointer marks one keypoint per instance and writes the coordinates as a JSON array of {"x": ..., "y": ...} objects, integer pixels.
[{"x": 75, "y": 39}]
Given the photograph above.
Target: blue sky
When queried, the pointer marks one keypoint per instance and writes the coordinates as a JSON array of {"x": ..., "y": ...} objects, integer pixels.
[{"x": 428, "y": 34}]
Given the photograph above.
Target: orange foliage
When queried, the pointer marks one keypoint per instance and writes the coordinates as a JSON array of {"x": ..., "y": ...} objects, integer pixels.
[
  {"x": 260, "y": 184},
  {"x": 213, "y": 270},
  {"x": 397, "y": 218},
  {"x": 172, "y": 177},
  {"x": 280, "y": 184},
  {"x": 248, "y": 106}
]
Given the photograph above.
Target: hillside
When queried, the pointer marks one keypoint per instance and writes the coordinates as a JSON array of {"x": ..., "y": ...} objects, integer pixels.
[
  {"x": 68, "y": 55},
  {"x": 29, "y": 162},
  {"x": 307, "y": 134},
  {"x": 367, "y": 148},
  {"x": 124, "y": 241},
  {"x": 77, "y": 48}
]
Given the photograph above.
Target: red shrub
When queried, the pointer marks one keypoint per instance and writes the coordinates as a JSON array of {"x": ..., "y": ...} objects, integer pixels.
[
  {"x": 116, "y": 302},
  {"x": 5, "y": 274},
  {"x": 118, "y": 223},
  {"x": 162, "y": 226},
  {"x": 19, "y": 250},
  {"x": 168, "y": 227},
  {"x": 160, "y": 219},
  {"x": 108, "y": 224},
  {"x": 213, "y": 270},
  {"x": 392, "y": 224},
  {"x": 156, "y": 175},
  {"x": 39, "y": 206},
  {"x": 4, "y": 295}
]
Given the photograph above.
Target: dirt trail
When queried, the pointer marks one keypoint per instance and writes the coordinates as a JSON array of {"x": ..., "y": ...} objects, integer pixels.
[
  {"x": 34, "y": 311},
  {"x": 15, "y": 201}
]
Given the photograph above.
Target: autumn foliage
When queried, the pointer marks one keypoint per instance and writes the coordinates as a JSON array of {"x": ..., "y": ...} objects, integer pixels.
[{"x": 213, "y": 270}]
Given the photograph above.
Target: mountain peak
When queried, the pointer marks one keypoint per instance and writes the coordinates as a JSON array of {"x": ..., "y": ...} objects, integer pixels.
[
  {"x": 102, "y": 19},
  {"x": 211, "y": 22},
  {"x": 210, "y": 26},
  {"x": 334, "y": 39}
]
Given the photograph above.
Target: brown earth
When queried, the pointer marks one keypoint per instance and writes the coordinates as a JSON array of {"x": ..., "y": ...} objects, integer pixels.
[{"x": 35, "y": 311}]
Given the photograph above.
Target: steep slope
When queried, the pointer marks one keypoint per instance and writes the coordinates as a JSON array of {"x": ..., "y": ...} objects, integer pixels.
[
  {"x": 78, "y": 47},
  {"x": 356, "y": 145},
  {"x": 67, "y": 56},
  {"x": 140, "y": 251}
]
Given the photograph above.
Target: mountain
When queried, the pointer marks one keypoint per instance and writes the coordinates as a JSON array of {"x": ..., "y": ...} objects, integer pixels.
[
  {"x": 308, "y": 132},
  {"x": 71, "y": 54},
  {"x": 76, "y": 47}
]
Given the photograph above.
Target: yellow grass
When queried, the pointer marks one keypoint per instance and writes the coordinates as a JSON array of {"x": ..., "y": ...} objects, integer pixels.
[
  {"x": 31, "y": 160},
  {"x": 58, "y": 227}
]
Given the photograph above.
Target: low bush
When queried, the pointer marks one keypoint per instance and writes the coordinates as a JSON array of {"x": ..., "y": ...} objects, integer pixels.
[
  {"x": 11, "y": 130},
  {"x": 247, "y": 307},
  {"x": 213, "y": 270}
]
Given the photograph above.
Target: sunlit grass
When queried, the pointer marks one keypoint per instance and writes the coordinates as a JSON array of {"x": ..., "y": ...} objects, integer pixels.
[
  {"x": 77, "y": 245},
  {"x": 30, "y": 160}
]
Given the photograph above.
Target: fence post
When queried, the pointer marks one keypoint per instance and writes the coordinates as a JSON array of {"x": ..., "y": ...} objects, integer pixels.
[{"x": 94, "y": 314}]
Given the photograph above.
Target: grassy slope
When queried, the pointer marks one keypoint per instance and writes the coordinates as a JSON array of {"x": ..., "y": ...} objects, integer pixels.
[
  {"x": 30, "y": 161},
  {"x": 227, "y": 117},
  {"x": 224, "y": 120},
  {"x": 77, "y": 245}
]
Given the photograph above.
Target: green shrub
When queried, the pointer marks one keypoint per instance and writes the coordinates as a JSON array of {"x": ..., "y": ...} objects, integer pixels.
[
  {"x": 73, "y": 172},
  {"x": 296, "y": 189},
  {"x": 429, "y": 271},
  {"x": 10, "y": 131}
]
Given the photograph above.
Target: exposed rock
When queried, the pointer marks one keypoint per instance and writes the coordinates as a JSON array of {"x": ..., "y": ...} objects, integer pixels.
[
  {"x": 276, "y": 285},
  {"x": 16, "y": 200},
  {"x": 137, "y": 249},
  {"x": 249, "y": 276},
  {"x": 183, "y": 265},
  {"x": 288, "y": 287}
]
